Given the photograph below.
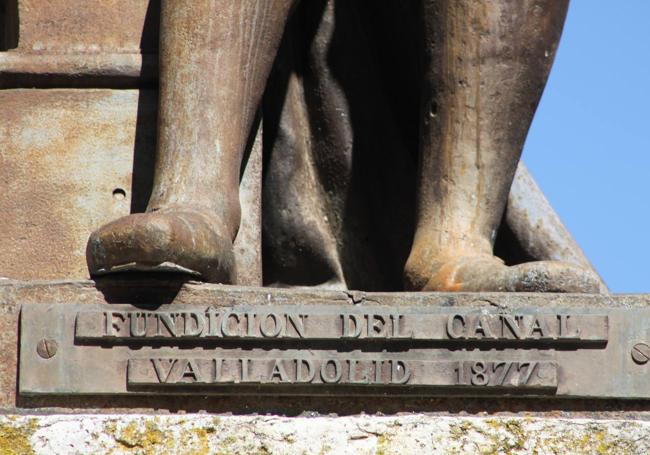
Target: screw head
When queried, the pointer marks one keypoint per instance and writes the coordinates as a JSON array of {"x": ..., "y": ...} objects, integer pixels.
[
  {"x": 46, "y": 348},
  {"x": 641, "y": 353}
]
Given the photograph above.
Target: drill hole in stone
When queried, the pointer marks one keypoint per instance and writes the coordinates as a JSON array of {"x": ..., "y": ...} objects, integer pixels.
[{"x": 119, "y": 194}]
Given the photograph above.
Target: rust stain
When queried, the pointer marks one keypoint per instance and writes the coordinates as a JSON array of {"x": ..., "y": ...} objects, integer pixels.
[{"x": 444, "y": 279}]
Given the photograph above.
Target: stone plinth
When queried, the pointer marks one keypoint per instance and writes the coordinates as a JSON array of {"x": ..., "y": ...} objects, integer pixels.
[{"x": 405, "y": 434}]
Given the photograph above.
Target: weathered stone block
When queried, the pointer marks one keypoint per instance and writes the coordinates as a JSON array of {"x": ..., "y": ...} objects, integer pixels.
[
  {"x": 68, "y": 159},
  {"x": 73, "y": 160},
  {"x": 87, "y": 26},
  {"x": 407, "y": 434}
]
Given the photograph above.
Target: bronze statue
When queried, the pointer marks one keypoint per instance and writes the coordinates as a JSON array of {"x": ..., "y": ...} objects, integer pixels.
[{"x": 479, "y": 69}]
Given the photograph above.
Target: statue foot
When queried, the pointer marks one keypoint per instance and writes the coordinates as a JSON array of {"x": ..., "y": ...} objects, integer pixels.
[
  {"x": 170, "y": 240},
  {"x": 487, "y": 273}
]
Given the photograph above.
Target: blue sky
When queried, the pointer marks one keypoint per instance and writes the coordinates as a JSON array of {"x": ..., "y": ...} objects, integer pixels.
[{"x": 589, "y": 146}]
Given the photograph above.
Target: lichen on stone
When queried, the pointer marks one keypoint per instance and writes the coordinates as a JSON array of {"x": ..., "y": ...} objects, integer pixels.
[
  {"x": 265, "y": 435},
  {"x": 140, "y": 438},
  {"x": 15, "y": 437},
  {"x": 382, "y": 445}
]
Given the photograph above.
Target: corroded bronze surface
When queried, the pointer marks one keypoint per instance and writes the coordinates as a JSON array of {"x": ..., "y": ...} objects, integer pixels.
[
  {"x": 482, "y": 68},
  {"x": 326, "y": 222},
  {"x": 214, "y": 62}
]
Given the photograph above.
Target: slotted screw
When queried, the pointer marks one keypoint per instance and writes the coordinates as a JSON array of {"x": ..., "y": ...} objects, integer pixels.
[
  {"x": 47, "y": 348},
  {"x": 641, "y": 353}
]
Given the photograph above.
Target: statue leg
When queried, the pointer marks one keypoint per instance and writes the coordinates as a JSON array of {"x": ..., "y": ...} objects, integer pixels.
[
  {"x": 486, "y": 63},
  {"x": 214, "y": 61}
]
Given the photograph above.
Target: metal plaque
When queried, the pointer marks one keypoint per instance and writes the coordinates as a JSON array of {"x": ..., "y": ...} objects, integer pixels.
[{"x": 330, "y": 348}]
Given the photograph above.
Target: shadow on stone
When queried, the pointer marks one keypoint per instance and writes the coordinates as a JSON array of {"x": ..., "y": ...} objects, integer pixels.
[
  {"x": 315, "y": 406},
  {"x": 149, "y": 290}
]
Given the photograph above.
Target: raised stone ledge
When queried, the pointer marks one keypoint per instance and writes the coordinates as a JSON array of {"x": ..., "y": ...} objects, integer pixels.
[
  {"x": 404, "y": 434},
  {"x": 145, "y": 289}
]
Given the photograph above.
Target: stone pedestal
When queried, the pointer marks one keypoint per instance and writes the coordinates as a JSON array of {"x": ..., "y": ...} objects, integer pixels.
[{"x": 405, "y": 434}]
